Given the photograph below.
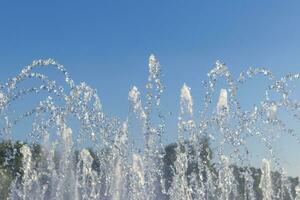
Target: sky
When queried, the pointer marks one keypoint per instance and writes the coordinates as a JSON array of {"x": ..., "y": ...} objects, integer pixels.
[{"x": 107, "y": 44}]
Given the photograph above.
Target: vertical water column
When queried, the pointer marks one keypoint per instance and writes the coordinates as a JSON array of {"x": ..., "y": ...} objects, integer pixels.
[
  {"x": 120, "y": 173},
  {"x": 226, "y": 180},
  {"x": 86, "y": 177},
  {"x": 66, "y": 175},
  {"x": 180, "y": 185},
  {"x": 297, "y": 192},
  {"x": 222, "y": 105},
  {"x": 249, "y": 185},
  {"x": 137, "y": 179},
  {"x": 266, "y": 180},
  {"x": 28, "y": 176},
  {"x": 26, "y": 186},
  {"x": 154, "y": 131},
  {"x": 185, "y": 122}
]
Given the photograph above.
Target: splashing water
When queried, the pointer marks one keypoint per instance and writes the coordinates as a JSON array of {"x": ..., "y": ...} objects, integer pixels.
[{"x": 115, "y": 169}]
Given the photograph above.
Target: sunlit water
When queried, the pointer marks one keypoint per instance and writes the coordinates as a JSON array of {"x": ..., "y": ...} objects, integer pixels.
[{"x": 116, "y": 169}]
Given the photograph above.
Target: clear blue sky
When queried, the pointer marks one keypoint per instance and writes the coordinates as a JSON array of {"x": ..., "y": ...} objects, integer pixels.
[{"x": 107, "y": 43}]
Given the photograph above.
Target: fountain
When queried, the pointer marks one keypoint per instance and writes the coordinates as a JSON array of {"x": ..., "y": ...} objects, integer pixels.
[{"x": 99, "y": 160}]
